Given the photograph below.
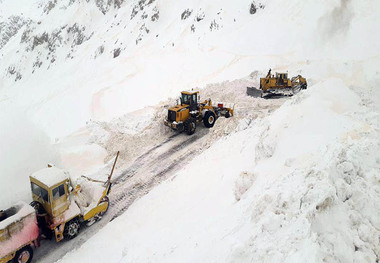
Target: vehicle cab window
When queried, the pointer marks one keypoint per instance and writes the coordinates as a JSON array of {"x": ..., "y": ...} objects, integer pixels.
[
  {"x": 185, "y": 99},
  {"x": 194, "y": 98},
  {"x": 41, "y": 192},
  {"x": 58, "y": 191}
]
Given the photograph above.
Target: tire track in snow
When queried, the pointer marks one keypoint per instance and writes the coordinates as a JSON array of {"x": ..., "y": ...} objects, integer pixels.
[
  {"x": 153, "y": 172},
  {"x": 131, "y": 170}
]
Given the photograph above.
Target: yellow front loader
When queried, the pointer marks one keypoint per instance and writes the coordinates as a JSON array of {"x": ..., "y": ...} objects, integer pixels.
[{"x": 186, "y": 115}]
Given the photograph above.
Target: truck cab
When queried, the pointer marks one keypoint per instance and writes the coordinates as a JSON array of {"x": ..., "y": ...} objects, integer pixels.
[
  {"x": 61, "y": 208},
  {"x": 50, "y": 188}
]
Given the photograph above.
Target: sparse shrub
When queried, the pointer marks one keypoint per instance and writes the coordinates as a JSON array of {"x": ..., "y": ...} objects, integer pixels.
[
  {"x": 49, "y": 6},
  {"x": 186, "y": 14},
  {"x": 214, "y": 25},
  {"x": 116, "y": 52},
  {"x": 252, "y": 9},
  {"x": 200, "y": 17},
  {"x": 156, "y": 14}
]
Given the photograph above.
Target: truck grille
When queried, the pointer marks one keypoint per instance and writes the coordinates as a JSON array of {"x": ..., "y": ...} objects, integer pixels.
[{"x": 171, "y": 115}]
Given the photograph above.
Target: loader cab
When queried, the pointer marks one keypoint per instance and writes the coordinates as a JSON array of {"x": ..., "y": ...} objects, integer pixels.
[
  {"x": 190, "y": 98},
  {"x": 50, "y": 188}
]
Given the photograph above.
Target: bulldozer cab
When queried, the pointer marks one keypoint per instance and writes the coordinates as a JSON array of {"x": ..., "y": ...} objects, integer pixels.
[
  {"x": 50, "y": 188},
  {"x": 281, "y": 78}
]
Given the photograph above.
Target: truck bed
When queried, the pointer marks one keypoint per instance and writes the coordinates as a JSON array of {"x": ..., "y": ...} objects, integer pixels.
[{"x": 18, "y": 227}]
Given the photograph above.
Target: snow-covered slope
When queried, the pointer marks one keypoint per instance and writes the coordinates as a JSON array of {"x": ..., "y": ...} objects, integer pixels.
[
  {"x": 298, "y": 185},
  {"x": 69, "y": 62}
]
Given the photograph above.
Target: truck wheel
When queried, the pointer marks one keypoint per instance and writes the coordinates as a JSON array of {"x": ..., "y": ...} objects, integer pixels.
[
  {"x": 24, "y": 255},
  {"x": 190, "y": 126},
  {"x": 209, "y": 119},
  {"x": 228, "y": 115},
  {"x": 71, "y": 229}
]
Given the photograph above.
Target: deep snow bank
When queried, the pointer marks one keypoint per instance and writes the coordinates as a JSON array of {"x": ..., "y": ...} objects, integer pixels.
[{"x": 300, "y": 185}]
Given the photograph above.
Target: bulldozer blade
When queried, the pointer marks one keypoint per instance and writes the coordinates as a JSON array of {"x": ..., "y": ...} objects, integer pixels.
[{"x": 254, "y": 92}]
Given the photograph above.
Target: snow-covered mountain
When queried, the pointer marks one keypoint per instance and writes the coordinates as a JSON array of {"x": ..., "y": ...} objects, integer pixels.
[{"x": 289, "y": 180}]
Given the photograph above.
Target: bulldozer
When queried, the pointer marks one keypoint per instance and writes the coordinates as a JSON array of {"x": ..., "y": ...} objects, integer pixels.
[
  {"x": 281, "y": 84},
  {"x": 190, "y": 111},
  {"x": 278, "y": 84}
]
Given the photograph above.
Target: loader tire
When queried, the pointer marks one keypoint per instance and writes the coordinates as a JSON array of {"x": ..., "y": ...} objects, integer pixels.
[
  {"x": 209, "y": 119},
  {"x": 24, "y": 255},
  {"x": 71, "y": 229},
  {"x": 190, "y": 126}
]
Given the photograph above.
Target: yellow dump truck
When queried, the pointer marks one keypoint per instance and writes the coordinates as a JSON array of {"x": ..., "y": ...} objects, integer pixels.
[{"x": 19, "y": 233}]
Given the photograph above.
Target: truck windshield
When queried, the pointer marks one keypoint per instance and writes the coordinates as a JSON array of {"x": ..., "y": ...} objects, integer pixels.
[{"x": 39, "y": 191}]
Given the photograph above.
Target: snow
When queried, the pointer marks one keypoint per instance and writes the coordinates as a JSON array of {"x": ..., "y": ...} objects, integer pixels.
[
  {"x": 24, "y": 149},
  {"x": 89, "y": 195},
  {"x": 296, "y": 184},
  {"x": 50, "y": 176},
  {"x": 290, "y": 207}
]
